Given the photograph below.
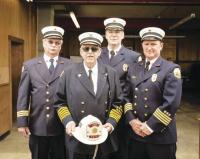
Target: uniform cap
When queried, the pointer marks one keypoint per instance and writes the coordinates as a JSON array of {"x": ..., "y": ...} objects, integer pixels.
[
  {"x": 52, "y": 31},
  {"x": 152, "y": 33},
  {"x": 114, "y": 23},
  {"x": 90, "y": 38},
  {"x": 90, "y": 131}
]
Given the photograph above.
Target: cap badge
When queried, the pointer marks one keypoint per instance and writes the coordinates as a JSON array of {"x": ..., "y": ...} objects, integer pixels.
[{"x": 154, "y": 77}]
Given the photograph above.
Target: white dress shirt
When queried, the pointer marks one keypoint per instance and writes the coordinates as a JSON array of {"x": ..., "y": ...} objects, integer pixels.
[
  {"x": 115, "y": 50},
  {"x": 94, "y": 75},
  {"x": 48, "y": 63}
]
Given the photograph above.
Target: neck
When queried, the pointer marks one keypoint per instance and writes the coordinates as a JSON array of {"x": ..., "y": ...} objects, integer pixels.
[
  {"x": 90, "y": 65},
  {"x": 113, "y": 47}
]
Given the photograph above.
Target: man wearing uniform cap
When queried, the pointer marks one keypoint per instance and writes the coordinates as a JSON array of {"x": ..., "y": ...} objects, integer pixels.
[
  {"x": 153, "y": 92},
  {"x": 36, "y": 116},
  {"x": 118, "y": 57},
  {"x": 89, "y": 88}
]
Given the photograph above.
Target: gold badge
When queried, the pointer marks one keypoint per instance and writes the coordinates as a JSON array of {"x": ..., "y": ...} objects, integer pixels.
[
  {"x": 125, "y": 67},
  {"x": 154, "y": 77},
  {"x": 177, "y": 73}
]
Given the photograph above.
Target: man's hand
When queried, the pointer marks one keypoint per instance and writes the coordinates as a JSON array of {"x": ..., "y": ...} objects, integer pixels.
[
  {"x": 70, "y": 127},
  {"x": 136, "y": 127},
  {"x": 144, "y": 128},
  {"x": 109, "y": 127},
  {"x": 24, "y": 131}
]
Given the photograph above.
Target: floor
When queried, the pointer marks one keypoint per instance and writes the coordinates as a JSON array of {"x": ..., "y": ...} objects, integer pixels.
[{"x": 14, "y": 146}]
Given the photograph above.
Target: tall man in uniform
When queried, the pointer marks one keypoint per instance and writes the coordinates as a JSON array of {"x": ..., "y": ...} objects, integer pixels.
[
  {"x": 118, "y": 57},
  {"x": 36, "y": 116},
  {"x": 89, "y": 88},
  {"x": 153, "y": 89}
]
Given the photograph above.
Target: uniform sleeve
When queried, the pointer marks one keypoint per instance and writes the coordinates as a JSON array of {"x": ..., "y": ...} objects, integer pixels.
[
  {"x": 127, "y": 99},
  {"x": 23, "y": 98},
  {"x": 165, "y": 113},
  {"x": 116, "y": 108},
  {"x": 61, "y": 103}
]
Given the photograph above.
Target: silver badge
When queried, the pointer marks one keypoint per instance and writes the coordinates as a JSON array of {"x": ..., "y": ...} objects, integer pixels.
[{"x": 154, "y": 77}]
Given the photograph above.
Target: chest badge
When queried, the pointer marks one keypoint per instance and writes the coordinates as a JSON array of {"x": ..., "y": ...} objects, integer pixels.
[
  {"x": 154, "y": 77},
  {"x": 125, "y": 67}
]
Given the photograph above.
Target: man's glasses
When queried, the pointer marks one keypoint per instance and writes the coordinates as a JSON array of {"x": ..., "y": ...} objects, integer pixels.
[
  {"x": 87, "y": 48},
  {"x": 57, "y": 43}
]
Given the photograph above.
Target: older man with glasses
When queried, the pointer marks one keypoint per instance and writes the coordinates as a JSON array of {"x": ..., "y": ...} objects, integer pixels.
[
  {"x": 89, "y": 88},
  {"x": 36, "y": 116}
]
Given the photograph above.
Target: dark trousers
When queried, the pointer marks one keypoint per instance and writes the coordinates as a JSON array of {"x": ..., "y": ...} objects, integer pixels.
[
  {"x": 47, "y": 147},
  {"x": 140, "y": 150},
  {"x": 83, "y": 156},
  {"x": 122, "y": 135}
]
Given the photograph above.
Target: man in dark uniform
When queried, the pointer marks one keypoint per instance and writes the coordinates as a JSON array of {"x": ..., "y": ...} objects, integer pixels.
[
  {"x": 154, "y": 90},
  {"x": 89, "y": 88},
  {"x": 36, "y": 116},
  {"x": 118, "y": 57}
]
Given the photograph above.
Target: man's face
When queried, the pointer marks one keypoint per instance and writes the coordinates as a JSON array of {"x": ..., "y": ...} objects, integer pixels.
[
  {"x": 90, "y": 53},
  {"x": 152, "y": 49},
  {"x": 52, "y": 46},
  {"x": 114, "y": 36}
]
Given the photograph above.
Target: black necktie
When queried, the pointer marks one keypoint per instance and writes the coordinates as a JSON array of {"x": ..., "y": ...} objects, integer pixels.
[
  {"x": 147, "y": 65},
  {"x": 90, "y": 77},
  {"x": 112, "y": 53},
  {"x": 51, "y": 68}
]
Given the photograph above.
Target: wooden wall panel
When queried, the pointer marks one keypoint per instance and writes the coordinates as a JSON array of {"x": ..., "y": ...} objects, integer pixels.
[{"x": 17, "y": 19}]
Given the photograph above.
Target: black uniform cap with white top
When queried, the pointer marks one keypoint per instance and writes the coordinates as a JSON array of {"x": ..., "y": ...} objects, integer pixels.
[
  {"x": 90, "y": 38},
  {"x": 152, "y": 33},
  {"x": 117, "y": 23},
  {"x": 53, "y": 32}
]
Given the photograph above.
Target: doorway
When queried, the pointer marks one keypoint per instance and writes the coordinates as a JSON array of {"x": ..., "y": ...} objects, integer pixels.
[{"x": 16, "y": 62}]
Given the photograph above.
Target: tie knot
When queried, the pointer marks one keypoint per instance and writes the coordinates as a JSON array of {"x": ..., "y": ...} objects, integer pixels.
[
  {"x": 147, "y": 63},
  {"x": 112, "y": 53},
  {"x": 51, "y": 60}
]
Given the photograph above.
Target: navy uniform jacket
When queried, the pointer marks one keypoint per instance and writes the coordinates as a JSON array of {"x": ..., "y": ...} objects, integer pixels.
[
  {"x": 35, "y": 97},
  {"x": 76, "y": 99},
  {"x": 120, "y": 62},
  {"x": 153, "y": 98}
]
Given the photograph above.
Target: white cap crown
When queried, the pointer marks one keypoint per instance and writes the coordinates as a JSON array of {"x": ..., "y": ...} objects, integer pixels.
[
  {"x": 152, "y": 33},
  {"x": 114, "y": 23},
  {"x": 52, "y": 31},
  {"x": 90, "y": 38}
]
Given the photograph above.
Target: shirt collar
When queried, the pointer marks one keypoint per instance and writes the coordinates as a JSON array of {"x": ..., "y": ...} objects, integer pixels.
[
  {"x": 116, "y": 50},
  {"x": 47, "y": 58},
  {"x": 151, "y": 61},
  {"x": 94, "y": 69}
]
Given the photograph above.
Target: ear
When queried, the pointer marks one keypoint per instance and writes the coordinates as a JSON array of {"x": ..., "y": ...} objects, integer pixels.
[
  {"x": 161, "y": 45},
  {"x": 122, "y": 34}
]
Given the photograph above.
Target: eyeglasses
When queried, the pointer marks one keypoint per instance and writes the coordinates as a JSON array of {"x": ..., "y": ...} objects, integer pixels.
[
  {"x": 57, "y": 43},
  {"x": 87, "y": 48}
]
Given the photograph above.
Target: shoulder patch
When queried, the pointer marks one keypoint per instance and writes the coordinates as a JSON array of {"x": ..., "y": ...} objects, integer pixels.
[{"x": 177, "y": 73}]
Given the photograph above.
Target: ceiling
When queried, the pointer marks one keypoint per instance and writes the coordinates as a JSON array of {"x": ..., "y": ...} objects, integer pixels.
[{"x": 90, "y": 14}]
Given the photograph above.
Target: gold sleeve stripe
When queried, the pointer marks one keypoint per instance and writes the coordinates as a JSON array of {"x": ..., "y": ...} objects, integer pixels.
[
  {"x": 127, "y": 107},
  {"x": 22, "y": 113},
  {"x": 162, "y": 117},
  {"x": 63, "y": 112},
  {"x": 116, "y": 113}
]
